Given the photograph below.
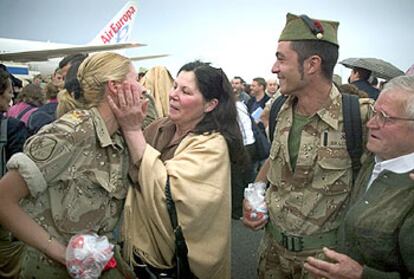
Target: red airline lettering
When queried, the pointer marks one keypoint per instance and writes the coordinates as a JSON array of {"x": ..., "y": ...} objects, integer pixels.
[{"x": 114, "y": 28}]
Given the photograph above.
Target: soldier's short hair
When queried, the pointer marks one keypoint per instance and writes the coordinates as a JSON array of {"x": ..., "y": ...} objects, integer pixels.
[{"x": 326, "y": 51}]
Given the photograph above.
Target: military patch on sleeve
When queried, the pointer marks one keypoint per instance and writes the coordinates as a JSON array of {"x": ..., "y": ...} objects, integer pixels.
[{"x": 42, "y": 148}]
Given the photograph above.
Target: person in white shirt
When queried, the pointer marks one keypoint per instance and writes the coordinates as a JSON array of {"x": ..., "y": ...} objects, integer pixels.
[
  {"x": 245, "y": 123},
  {"x": 376, "y": 237},
  {"x": 242, "y": 177}
]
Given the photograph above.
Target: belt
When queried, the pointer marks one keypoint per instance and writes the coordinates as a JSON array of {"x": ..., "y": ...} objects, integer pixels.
[{"x": 298, "y": 243}]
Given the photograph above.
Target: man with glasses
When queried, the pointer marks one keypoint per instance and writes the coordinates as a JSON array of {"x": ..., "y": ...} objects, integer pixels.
[
  {"x": 376, "y": 239},
  {"x": 309, "y": 170}
]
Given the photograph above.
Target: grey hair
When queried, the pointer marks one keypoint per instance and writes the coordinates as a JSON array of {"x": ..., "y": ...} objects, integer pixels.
[{"x": 406, "y": 84}]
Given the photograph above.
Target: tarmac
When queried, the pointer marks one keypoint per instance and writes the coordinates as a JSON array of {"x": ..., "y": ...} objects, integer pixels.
[{"x": 244, "y": 245}]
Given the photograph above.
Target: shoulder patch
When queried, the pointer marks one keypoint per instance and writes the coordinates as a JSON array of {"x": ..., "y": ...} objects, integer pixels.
[
  {"x": 42, "y": 148},
  {"x": 76, "y": 116}
]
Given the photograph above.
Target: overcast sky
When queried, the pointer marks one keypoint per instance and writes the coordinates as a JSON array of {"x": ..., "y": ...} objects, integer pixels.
[{"x": 238, "y": 36}]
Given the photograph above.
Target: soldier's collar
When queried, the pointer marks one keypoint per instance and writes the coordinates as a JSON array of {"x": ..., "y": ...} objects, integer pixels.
[
  {"x": 102, "y": 132},
  {"x": 331, "y": 113}
]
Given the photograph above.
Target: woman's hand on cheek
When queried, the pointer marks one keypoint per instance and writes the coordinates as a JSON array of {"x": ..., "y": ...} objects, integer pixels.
[{"x": 128, "y": 106}]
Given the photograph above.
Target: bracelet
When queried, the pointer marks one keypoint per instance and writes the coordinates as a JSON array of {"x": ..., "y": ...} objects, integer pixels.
[{"x": 49, "y": 243}]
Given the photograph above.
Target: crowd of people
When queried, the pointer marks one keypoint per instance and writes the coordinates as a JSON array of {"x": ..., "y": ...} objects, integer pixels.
[{"x": 158, "y": 165}]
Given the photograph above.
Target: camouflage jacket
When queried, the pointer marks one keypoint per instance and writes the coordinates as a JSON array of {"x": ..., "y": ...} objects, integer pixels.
[
  {"x": 76, "y": 174},
  {"x": 311, "y": 199}
]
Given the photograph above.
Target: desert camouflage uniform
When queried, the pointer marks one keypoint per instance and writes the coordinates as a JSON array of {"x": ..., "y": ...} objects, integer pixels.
[
  {"x": 311, "y": 200},
  {"x": 77, "y": 177}
]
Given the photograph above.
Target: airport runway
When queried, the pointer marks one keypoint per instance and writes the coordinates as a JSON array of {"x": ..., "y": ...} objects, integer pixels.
[{"x": 244, "y": 251}]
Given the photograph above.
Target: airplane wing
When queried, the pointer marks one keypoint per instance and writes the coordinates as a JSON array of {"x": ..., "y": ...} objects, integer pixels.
[
  {"x": 138, "y": 58},
  {"x": 46, "y": 54}
]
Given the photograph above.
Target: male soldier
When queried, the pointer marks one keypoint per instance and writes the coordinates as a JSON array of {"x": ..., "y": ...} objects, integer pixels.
[{"x": 309, "y": 169}]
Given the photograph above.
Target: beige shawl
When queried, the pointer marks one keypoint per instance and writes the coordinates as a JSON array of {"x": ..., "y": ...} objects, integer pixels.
[{"x": 200, "y": 185}]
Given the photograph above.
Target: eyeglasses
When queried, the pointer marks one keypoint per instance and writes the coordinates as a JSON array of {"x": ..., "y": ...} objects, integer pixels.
[{"x": 382, "y": 118}]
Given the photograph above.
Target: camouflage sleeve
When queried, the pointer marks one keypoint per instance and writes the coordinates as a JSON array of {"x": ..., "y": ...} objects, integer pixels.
[
  {"x": 29, "y": 171},
  {"x": 50, "y": 154}
]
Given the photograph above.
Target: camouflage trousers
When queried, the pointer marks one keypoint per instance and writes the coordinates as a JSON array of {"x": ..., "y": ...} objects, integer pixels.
[
  {"x": 277, "y": 262},
  {"x": 35, "y": 265},
  {"x": 10, "y": 252}
]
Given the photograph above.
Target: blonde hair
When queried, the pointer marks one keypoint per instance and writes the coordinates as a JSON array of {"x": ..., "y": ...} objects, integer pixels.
[{"x": 93, "y": 75}]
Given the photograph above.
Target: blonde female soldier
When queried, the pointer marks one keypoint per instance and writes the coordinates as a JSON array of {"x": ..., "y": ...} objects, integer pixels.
[{"x": 72, "y": 175}]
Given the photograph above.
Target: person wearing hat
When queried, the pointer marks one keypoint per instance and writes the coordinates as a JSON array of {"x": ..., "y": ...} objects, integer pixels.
[
  {"x": 359, "y": 77},
  {"x": 309, "y": 171}
]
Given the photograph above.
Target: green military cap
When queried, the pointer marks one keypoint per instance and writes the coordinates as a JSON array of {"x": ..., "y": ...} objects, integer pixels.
[{"x": 299, "y": 28}]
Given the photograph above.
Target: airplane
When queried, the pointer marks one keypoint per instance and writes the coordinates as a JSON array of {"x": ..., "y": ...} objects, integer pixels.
[{"x": 43, "y": 57}]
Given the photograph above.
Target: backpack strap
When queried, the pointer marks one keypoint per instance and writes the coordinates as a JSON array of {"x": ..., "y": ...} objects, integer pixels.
[
  {"x": 23, "y": 112},
  {"x": 352, "y": 126},
  {"x": 274, "y": 111},
  {"x": 3, "y": 142},
  {"x": 353, "y": 130}
]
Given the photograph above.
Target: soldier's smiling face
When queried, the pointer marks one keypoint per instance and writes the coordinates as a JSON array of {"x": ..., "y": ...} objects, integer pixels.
[{"x": 288, "y": 70}]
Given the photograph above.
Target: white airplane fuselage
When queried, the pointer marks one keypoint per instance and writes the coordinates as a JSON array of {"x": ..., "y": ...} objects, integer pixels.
[
  {"x": 43, "y": 67},
  {"x": 44, "y": 57}
]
